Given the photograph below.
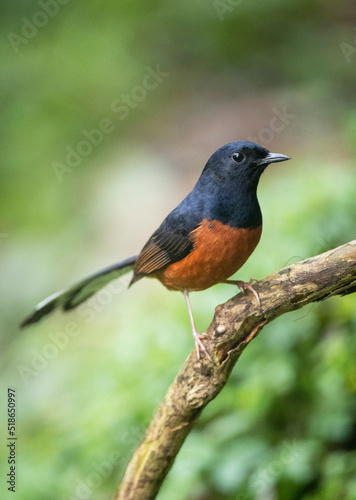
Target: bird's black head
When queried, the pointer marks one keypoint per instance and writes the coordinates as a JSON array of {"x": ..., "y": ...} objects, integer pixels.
[
  {"x": 241, "y": 161},
  {"x": 227, "y": 188}
]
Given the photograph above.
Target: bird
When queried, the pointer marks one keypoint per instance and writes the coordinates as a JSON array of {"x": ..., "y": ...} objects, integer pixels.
[{"x": 202, "y": 242}]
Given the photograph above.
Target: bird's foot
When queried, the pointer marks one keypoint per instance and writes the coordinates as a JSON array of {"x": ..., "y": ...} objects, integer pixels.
[
  {"x": 199, "y": 346},
  {"x": 243, "y": 286}
]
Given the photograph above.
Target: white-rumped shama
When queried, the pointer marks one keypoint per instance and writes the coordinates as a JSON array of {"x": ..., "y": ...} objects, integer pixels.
[{"x": 202, "y": 242}]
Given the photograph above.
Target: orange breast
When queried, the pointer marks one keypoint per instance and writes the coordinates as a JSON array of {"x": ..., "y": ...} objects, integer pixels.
[{"x": 219, "y": 251}]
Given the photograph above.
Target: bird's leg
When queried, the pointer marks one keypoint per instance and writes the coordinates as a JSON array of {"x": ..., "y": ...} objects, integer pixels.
[
  {"x": 245, "y": 286},
  {"x": 197, "y": 336}
]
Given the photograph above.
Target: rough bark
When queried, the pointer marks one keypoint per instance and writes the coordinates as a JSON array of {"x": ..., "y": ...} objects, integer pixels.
[{"x": 235, "y": 324}]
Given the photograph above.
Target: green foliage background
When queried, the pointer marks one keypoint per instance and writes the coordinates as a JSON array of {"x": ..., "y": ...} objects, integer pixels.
[{"x": 284, "y": 427}]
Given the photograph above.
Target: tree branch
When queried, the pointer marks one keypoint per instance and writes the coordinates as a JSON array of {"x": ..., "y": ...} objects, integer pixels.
[{"x": 235, "y": 324}]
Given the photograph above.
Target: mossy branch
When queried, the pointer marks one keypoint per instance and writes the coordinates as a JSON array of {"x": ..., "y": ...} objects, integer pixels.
[{"x": 235, "y": 324}]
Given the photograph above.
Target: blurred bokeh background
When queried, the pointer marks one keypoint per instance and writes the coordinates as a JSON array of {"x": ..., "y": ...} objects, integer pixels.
[{"x": 109, "y": 111}]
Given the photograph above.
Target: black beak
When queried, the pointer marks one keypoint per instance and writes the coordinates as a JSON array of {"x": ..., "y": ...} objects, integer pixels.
[{"x": 273, "y": 158}]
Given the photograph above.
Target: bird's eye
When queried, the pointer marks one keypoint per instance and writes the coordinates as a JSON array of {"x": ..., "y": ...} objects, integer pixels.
[{"x": 238, "y": 157}]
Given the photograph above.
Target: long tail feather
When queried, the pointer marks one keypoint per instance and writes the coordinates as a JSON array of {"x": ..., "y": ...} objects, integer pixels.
[{"x": 71, "y": 297}]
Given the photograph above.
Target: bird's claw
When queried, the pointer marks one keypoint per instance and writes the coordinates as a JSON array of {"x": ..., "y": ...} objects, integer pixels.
[
  {"x": 199, "y": 346},
  {"x": 243, "y": 285}
]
